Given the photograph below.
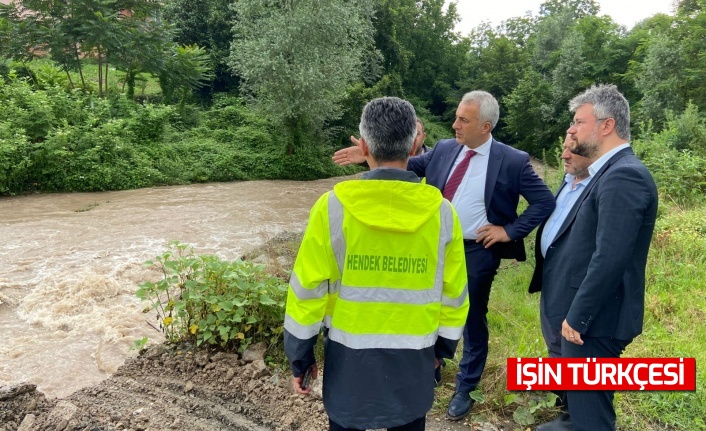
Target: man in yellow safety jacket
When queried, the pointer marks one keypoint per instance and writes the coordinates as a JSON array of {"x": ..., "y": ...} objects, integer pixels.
[{"x": 382, "y": 265}]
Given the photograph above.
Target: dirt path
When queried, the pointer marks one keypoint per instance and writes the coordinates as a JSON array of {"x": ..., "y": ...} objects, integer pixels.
[{"x": 179, "y": 389}]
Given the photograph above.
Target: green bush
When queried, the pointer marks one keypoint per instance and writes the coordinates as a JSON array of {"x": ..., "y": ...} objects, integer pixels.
[
  {"x": 216, "y": 302},
  {"x": 92, "y": 159},
  {"x": 48, "y": 76},
  {"x": 148, "y": 123},
  {"x": 680, "y": 175},
  {"x": 234, "y": 143},
  {"x": 26, "y": 109},
  {"x": 64, "y": 140},
  {"x": 687, "y": 131},
  {"x": 15, "y": 159}
]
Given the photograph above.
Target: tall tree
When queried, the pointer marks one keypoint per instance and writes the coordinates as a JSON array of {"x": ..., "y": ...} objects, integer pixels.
[
  {"x": 691, "y": 32},
  {"x": 568, "y": 77},
  {"x": 421, "y": 49},
  {"x": 33, "y": 27},
  {"x": 636, "y": 42},
  {"x": 519, "y": 29},
  {"x": 577, "y": 8},
  {"x": 208, "y": 24},
  {"x": 497, "y": 63},
  {"x": 556, "y": 19},
  {"x": 661, "y": 81},
  {"x": 298, "y": 58},
  {"x": 530, "y": 108}
]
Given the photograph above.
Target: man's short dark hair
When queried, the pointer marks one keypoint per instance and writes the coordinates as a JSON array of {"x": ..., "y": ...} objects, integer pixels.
[
  {"x": 389, "y": 126},
  {"x": 607, "y": 102}
]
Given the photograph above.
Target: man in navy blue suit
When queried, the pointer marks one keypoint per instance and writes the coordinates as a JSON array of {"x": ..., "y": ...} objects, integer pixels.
[
  {"x": 592, "y": 251},
  {"x": 486, "y": 200}
]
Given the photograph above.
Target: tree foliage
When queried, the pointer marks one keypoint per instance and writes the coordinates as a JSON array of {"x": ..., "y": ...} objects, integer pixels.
[
  {"x": 111, "y": 31},
  {"x": 311, "y": 65},
  {"x": 207, "y": 24},
  {"x": 298, "y": 57},
  {"x": 661, "y": 80},
  {"x": 421, "y": 49}
]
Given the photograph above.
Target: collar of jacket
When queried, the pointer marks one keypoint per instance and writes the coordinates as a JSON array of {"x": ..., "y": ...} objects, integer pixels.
[{"x": 391, "y": 174}]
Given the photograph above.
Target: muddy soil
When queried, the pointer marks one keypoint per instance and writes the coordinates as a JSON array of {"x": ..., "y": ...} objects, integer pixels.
[
  {"x": 173, "y": 388},
  {"x": 180, "y": 388}
]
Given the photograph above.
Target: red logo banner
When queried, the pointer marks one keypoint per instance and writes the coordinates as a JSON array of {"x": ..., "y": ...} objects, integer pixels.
[{"x": 601, "y": 374}]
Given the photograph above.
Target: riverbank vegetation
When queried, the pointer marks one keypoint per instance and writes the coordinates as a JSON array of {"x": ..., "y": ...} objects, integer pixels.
[
  {"x": 109, "y": 95},
  {"x": 214, "y": 302}
]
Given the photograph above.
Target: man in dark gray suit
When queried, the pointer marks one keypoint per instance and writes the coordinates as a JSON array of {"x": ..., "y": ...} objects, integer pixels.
[{"x": 592, "y": 251}]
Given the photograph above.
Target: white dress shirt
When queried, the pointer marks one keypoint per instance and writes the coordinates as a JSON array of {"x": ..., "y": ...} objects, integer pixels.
[{"x": 469, "y": 199}]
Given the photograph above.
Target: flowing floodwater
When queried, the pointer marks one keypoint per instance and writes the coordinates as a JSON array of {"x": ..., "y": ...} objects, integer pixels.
[{"x": 70, "y": 265}]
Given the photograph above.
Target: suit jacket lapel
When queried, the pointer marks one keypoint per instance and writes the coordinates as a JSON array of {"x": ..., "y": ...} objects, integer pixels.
[
  {"x": 574, "y": 210},
  {"x": 494, "y": 161},
  {"x": 540, "y": 229}
]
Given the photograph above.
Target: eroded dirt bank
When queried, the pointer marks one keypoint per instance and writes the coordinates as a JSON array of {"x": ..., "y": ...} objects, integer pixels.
[
  {"x": 178, "y": 388},
  {"x": 172, "y": 388}
]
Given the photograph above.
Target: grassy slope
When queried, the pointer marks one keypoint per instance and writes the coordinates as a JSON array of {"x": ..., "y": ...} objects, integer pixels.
[{"x": 675, "y": 309}]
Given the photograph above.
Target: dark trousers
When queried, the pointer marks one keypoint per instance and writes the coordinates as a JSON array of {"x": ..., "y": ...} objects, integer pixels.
[
  {"x": 481, "y": 267},
  {"x": 552, "y": 338},
  {"x": 592, "y": 410},
  {"x": 416, "y": 425}
]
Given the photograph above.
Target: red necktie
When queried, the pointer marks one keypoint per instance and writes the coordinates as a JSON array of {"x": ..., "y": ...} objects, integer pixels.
[{"x": 456, "y": 178}]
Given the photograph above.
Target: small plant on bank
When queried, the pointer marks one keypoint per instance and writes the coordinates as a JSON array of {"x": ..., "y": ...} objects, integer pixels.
[
  {"x": 140, "y": 344},
  {"x": 529, "y": 406},
  {"x": 213, "y": 301}
]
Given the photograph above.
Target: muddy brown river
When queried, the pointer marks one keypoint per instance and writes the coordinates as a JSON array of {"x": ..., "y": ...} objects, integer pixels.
[{"x": 70, "y": 265}]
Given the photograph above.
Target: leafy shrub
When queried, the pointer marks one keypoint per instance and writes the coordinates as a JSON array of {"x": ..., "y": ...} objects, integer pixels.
[
  {"x": 48, "y": 76},
  {"x": 92, "y": 159},
  {"x": 227, "y": 112},
  {"x": 687, "y": 131},
  {"x": 148, "y": 123},
  {"x": 15, "y": 160},
  {"x": 529, "y": 406},
  {"x": 26, "y": 109},
  {"x": 212, "y": 301},
  {"x": 680, "y": 175},
  {"x": 59, "y": 140}
]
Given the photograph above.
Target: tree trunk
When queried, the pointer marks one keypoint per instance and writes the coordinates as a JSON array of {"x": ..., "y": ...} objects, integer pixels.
[
  {"x": 100, "y": 73},
  {"x": 80, "y": 70},
  {"x": 68, "y": 75},
  {"x": 106, "y": 77},
  {"x": 292, "y": 127},
  {"x": 130, "y": 81}
]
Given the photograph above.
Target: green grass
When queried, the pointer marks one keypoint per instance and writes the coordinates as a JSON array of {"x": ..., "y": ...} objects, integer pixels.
[
  {"x": 145, "y": 85},
  {"x": 49, "y": 71}
]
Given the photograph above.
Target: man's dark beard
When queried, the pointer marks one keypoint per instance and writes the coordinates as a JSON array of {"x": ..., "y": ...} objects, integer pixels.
[{"x": 584, "y": 150}]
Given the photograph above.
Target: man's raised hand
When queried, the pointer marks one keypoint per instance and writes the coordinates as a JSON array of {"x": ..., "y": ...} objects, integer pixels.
[{"x": 349, "y": 155}]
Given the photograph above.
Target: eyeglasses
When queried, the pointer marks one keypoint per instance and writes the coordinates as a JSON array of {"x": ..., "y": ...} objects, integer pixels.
[{"x": 580, "y": 122}]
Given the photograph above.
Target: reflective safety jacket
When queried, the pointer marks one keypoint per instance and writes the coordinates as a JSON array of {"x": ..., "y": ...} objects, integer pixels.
[{"x": 382, "y": 264}]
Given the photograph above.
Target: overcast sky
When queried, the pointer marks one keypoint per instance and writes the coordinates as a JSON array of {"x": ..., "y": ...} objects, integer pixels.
[{"x": 625, "y": 12}]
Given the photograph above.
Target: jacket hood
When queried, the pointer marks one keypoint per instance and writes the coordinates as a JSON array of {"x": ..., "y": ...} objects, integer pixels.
[{"x": 397, "y": 206}]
